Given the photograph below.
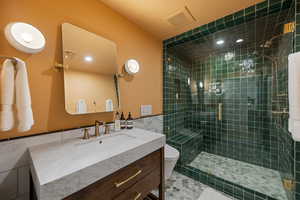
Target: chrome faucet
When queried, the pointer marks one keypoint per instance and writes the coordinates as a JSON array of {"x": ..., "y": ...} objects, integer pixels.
[{"x": 97, "y": 127}]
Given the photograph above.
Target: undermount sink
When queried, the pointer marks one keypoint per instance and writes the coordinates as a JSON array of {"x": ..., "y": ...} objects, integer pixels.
[{"x": 107, "y": 139}]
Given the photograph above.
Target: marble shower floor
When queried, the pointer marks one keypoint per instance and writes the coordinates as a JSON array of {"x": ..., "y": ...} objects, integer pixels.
[
  {"x": 260, "y": 179},
  {"x": 180, "y": 187}
]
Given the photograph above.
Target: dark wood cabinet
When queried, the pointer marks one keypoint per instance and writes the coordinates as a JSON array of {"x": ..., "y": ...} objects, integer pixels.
[{"x": 134, "y": 182}]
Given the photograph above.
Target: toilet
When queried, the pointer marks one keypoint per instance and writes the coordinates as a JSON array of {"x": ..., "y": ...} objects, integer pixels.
[{"x": 171, "y": 157}]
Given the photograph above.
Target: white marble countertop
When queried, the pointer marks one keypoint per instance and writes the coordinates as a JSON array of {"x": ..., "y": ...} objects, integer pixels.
[{"x": 64, "y": 167}]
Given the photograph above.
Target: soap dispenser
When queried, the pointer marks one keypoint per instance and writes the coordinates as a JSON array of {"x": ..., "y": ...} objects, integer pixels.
[
  {"x": 117, "y": 122},
  {"x": 123, "y": 121},
  {"x": 129, "y": 121}
]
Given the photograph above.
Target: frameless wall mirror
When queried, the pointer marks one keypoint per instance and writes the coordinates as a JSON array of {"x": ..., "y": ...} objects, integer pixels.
[{"x": 90, "y": 68}]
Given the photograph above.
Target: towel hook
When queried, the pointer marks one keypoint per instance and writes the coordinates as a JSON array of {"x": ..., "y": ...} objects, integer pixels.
[{"x": 13, "y": 60}]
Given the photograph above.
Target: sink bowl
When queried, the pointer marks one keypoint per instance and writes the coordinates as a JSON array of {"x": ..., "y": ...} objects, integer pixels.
[{"x": 105, "y": 142}]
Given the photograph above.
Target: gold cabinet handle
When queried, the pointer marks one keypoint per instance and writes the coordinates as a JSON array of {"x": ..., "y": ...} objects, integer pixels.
[
  {"x": 125, "y": 181},
  {"x": 137, "y": 196}
]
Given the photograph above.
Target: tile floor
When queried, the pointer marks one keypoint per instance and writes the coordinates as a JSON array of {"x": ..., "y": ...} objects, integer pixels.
[
  {"x": 180, "y": 187},
  {"x": 260, "y": 179}
]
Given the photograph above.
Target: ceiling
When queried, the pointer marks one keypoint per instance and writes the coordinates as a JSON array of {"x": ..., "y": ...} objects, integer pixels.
[
  {"x": 167, "y": 18},
  {"x": 250, "y": 32}
]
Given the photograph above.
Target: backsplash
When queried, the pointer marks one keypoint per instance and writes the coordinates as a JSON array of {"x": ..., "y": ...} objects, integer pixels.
[{"x": 153, "y": 123}]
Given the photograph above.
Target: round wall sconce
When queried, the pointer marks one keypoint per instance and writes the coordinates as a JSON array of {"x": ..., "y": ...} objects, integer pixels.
[
  {"x": 25, "y": 37},
  {"x": 131, "y": 67}
]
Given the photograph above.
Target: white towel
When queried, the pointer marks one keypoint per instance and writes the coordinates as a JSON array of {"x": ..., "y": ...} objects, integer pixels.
[
  {"x": 7, "y": 96},
  {"x": 294, "y": 85},
  {"x": 23, "y": 98},
  {"x": 294, "y": 95}
]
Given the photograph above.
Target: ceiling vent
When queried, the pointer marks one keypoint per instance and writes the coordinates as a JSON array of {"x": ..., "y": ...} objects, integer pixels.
[{"x": 181, "y": 18}]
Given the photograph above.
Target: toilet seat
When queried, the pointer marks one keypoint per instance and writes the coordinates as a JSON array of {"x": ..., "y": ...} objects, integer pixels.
[{"x": 171, "y": 153}]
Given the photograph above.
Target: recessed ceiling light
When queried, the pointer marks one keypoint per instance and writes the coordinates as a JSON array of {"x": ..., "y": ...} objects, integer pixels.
[
  {"x": 239, "y": 40},
  {"x": 88, "y": 58},
  {"x": 220, "y": 42}
]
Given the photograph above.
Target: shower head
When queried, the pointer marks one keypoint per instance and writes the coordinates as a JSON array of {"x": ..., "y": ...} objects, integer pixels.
[
  {"x": 267, "y": 44},
  {"x": 287, "y": 28}
]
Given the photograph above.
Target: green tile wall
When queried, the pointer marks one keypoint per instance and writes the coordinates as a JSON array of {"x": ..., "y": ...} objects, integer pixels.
[
  {"x": 244, "y": 132},
  {"x": 297, "y": 20},
  {"x": 175, "y": 94},
  {"x": 266, "y": 140},
  {"x": 248, "y": 131}
]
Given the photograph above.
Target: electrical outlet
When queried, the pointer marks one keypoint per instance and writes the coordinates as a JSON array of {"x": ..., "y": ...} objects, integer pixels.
[{"x": 146, "y": 110}]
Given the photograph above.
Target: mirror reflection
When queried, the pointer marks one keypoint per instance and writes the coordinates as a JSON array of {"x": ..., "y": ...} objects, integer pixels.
[{"x": 90, "y": 68}]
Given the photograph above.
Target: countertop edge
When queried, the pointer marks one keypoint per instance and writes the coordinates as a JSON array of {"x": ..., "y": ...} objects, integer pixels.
[{"x": 67, "y": 185}]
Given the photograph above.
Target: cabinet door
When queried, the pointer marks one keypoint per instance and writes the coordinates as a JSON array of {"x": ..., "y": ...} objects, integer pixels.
[
  {"x": 142, "y": 188},
  {"x": 115, "y": 184}
]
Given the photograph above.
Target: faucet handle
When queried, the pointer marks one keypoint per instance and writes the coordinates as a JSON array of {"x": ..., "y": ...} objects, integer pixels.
[
  {"x": 86, "y": 134},
  {"x": 97, "y": 131},
  {"x": 97, "y": 122},
  {"x": 107, "y": 129}
]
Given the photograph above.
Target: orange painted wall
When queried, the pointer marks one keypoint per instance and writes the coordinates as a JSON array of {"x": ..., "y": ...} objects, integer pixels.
[{"x": 47, "y": 85}]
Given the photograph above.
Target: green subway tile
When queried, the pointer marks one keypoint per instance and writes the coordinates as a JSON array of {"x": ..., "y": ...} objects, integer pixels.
[
  {"x": 272, "y": 2},
  {"x": 220, "y": 23},
  {"x": 218, "y": 137},
  {"x": 297, "y": 32},
  {"x": 212, "y": 27},
  {"x": 287, "y": 4},
  {"x": 262, "y": 5},
  {"x": 250, "y": 10},
  {"x": 275, "y": 8},
  {"x": 238, "y": 193},
  {"x": 228, "y": 18},
  {"x": 239, "y": 21},
  {"x": 239, "y": 14}
]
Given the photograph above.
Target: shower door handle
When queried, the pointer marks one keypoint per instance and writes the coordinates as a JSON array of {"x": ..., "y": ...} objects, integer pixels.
[{"x": 220, "y": 111}]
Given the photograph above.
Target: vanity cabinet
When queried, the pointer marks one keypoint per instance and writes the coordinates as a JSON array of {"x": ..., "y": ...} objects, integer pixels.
[
  {"x": 134, "y": 182},
  {"x": 124, "y": 165}
]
